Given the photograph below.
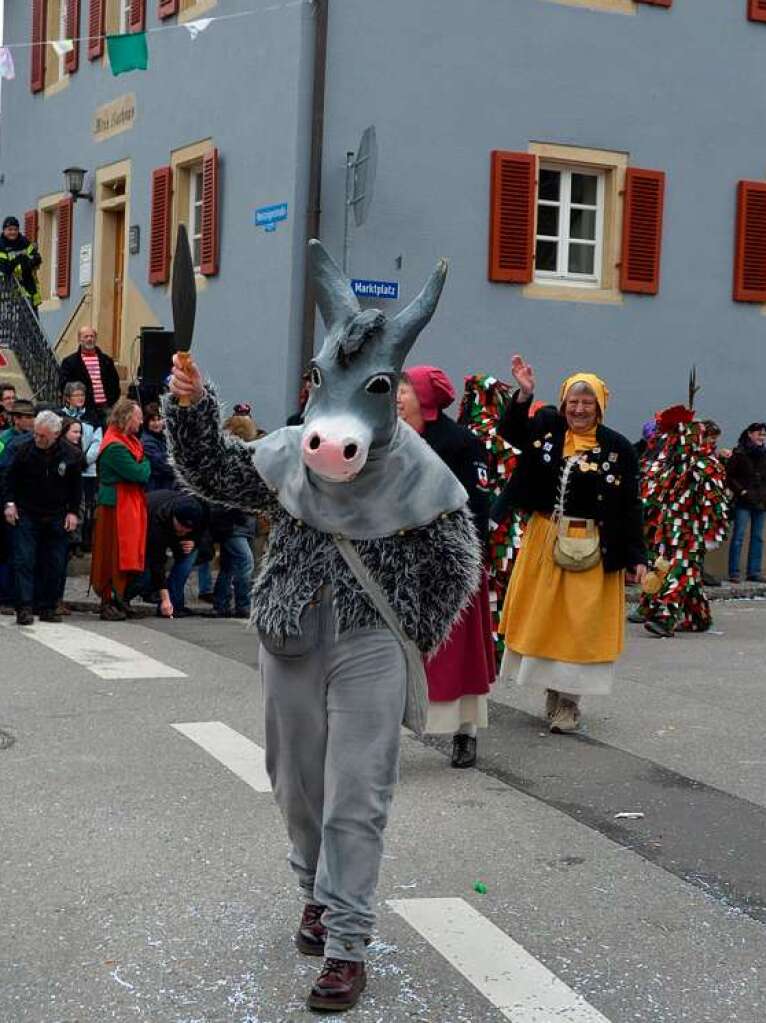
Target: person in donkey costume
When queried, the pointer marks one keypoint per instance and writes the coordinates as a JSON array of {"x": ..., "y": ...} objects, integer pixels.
[{"x": 372, "y": 556}]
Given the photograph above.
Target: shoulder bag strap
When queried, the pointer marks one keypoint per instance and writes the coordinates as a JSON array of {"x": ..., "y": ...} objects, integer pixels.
[{"x": 350, "y": 555}]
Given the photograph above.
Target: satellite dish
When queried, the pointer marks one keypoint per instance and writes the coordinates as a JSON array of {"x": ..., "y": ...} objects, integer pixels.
[{"x": 365, "y": 168}]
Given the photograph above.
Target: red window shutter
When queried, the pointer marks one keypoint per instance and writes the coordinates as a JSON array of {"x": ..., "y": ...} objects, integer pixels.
[
  {"x": 37, "y": 62},
  {"x": 137, "y": 16},
  {"x": 31, "y": 225},
  {"x": 512, "y": 217},
  {"x": 642, "y": 231},
  {"x": 209, "y": 241},
  {"x": 750, "y": 245},
  {"x": 159, "y": 230},
  {"x": 756, "y": 10},
  {"x": 64, "y": 246},
  {"x": 96, "y": 28},
  {"x": 72, "y": 59},
  {"x": 167, "y": 8}
]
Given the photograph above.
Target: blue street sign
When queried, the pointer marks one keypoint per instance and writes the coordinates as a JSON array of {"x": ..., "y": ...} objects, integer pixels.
[
  {"x": 268, "y": 217},
  {"x": 375, "y": 289}
]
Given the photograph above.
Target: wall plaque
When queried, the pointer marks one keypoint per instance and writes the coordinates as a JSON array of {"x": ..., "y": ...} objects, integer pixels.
[{"x": 113, "y": 118}]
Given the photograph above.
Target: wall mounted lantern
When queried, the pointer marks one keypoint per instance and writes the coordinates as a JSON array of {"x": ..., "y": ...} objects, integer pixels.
[{"x": 75, "y": 178}]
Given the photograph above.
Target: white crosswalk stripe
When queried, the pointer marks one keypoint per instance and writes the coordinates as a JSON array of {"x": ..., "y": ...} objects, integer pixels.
[
  {"x": 96, "y": 653},
  {"x": 505, "y": 973},
  {"x": 242, "y": 756}
]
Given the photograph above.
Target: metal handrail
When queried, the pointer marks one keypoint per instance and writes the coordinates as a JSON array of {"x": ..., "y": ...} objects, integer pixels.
[{"x": 20, "y": 331}]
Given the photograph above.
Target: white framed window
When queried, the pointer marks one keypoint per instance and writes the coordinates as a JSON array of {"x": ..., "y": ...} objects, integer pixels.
[
  {"x": 124, "y": 9},
  {"x": 195, "y": 215},
  {"x": 62, "y": 34},
  {"x": 54, "y": 253},
  {"x": 569, "y": 240}
]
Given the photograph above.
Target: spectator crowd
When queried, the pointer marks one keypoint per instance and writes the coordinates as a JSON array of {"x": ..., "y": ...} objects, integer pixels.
[{"x": 92, "y": 476}]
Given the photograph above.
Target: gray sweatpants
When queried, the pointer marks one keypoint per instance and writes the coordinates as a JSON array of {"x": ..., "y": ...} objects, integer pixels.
[{"x": 333, "y": 721}]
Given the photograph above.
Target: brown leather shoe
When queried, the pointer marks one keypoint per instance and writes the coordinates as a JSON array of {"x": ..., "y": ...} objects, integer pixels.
[
  {"x": 111, "y": 613},
  {"x": 338, "y": 986},
  {"x": 311, "y": 933}
]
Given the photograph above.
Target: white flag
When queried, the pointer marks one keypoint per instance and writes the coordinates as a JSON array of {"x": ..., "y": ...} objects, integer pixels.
[
  {"x": 7, "y": 69},
  {"x": 195, "y": 27},
  {"x": 62, "y": 46}
]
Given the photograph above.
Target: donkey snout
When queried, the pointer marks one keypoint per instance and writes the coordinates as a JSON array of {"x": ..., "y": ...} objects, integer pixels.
[{"x": 332, "y": 454}]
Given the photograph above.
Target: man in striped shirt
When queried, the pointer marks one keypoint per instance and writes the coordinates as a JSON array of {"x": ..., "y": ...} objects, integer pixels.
[{"x": 93, "y": 368}]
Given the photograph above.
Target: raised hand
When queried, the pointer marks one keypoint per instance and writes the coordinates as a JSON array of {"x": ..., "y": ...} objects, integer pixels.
[
  {"x": 186, "y": 380},
  {"x": 524, "y": 376}
]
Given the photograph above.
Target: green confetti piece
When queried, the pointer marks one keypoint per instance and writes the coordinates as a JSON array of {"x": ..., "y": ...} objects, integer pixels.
[{"x": 480, "y": 887}]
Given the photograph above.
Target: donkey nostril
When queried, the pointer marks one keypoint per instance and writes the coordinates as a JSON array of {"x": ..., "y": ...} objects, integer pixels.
[
  {"x": 314, "y": 442},
  {"x": 350, "y": 451}
]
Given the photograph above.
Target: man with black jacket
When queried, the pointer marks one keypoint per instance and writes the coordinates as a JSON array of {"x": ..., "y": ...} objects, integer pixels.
[
  {"x": 176, "y": 523},
  {"x": 94, "y": 368},
  {"x": 43, "y": 487},
  {"x": 20, "y": 259}
]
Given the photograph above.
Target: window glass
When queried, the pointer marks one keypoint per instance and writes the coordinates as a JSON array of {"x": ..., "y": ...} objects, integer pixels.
[
  {"x": 550, "y": 184},
  {"x": 582, "y": 224},
  {"x": 124, "y": 15},
  {"x": 195, "y": 215},
  {"x": 53, "y": 251}
]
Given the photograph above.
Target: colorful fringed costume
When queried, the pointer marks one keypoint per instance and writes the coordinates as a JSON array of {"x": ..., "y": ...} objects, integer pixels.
[
  {"x": 685, "y": 514},
  {"x": 485, "y": 399}
]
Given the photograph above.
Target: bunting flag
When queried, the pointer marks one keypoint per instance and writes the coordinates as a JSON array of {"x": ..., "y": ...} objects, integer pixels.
[
  {"x": 7, "y": 70},
  {"x": 485, "y": 399},
  {"x": 128, "y": 52},
  {"x": 195, "y": 27},
  {"x": 62, "y": 46},
  {"x": 683, "y": 489}
]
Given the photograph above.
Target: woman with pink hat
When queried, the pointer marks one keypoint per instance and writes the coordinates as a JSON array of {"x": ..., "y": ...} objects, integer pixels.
[{"x": 461, "y": 672}]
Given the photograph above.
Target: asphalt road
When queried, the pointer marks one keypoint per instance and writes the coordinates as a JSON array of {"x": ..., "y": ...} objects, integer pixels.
[{"x": 143, "y": 874}]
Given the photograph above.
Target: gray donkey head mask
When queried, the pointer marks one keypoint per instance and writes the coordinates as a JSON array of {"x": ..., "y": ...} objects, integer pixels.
[{"x": 352, "y": 407}]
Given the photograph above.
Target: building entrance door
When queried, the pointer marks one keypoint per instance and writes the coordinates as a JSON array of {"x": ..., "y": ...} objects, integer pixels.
[{"x": 119, "y": 277}]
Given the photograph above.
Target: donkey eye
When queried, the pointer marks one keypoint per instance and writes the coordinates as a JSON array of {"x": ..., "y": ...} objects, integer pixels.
[
  {"x": 316, "y": 377},
  {"x": 379, "y": 385}
]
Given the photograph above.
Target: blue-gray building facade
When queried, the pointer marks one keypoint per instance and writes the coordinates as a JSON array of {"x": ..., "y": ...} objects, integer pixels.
[{"x": 592, "y": 89}]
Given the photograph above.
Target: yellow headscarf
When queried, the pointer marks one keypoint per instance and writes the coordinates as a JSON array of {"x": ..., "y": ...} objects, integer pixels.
[{"x": 575, "y": 442}]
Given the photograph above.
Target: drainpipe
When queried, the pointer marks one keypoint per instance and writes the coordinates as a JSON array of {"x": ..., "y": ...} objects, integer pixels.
[{"x": 314, "y": 210}]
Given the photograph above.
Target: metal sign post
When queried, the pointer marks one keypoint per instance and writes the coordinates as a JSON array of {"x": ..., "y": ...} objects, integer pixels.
[{"x": 361, "y": 168}]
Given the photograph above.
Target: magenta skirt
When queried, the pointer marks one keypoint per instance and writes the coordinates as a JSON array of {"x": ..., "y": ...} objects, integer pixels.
[{"x": 465, "y": 665}]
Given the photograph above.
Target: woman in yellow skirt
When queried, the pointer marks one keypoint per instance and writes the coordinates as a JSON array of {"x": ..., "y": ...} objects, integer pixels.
[{"x": 563, "y": 617}]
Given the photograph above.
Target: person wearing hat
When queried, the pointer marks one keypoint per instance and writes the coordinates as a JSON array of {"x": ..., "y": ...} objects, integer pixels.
[
  {"x": 176, "y": 523},
  {"x": 461, "y": 672},
  {"x": 563, "y": 617},
  {"x": 683, "y": 489},
  {"x": 22, "y": 415},
  {"x": 20, "y": 259}
]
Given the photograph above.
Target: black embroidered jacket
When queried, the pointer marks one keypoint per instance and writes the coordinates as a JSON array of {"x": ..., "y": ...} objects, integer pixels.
[{"x": 602, "y": 484}]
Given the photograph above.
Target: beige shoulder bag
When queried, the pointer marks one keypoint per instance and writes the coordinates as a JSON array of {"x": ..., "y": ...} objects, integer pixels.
[{"x": 580, "y": 552}]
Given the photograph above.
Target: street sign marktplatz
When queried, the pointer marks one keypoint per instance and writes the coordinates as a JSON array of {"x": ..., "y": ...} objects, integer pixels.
[{"x": 375, "y": 289}]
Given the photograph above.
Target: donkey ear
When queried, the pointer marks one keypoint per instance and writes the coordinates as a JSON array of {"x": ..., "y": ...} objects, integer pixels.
[
  {"x": 412, "y": 319},
  {"x": 337, "y": 302}
]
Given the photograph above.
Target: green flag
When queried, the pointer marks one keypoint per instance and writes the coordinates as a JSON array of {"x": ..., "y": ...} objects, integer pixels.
[{"x": 128, "y": 52}]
